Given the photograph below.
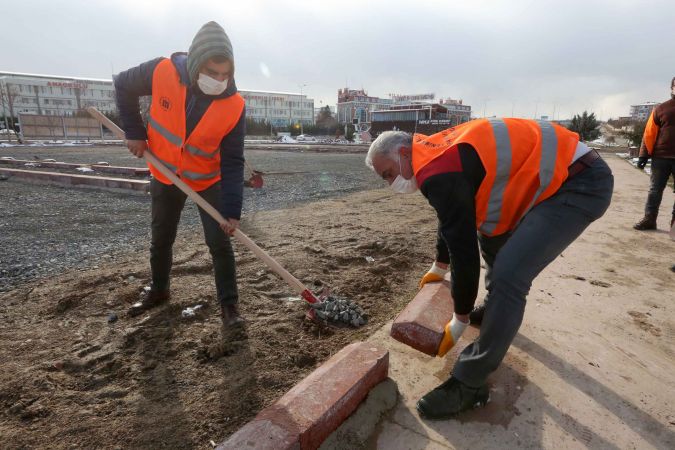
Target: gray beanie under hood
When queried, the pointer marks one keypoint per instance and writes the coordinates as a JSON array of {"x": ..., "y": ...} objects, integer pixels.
[{"x": 211, "y": 40}]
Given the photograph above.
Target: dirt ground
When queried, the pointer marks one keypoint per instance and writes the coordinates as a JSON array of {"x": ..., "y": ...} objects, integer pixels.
[{"x": 70, "y": 379}]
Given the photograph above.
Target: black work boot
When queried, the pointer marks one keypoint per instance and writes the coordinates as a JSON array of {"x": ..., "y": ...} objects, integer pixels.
[
  {"x": 230, "y": 315},
  {"x": 476, "y": 315},
  {"x": 648, "y": 222},
  {"x": 149, "y": 298},
  {"x": 450, "y": 399}
]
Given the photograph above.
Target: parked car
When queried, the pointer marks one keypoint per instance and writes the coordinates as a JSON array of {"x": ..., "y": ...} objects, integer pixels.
[
  {"x": 286, "y": 140},
  {"x": 305, "y": 138}
]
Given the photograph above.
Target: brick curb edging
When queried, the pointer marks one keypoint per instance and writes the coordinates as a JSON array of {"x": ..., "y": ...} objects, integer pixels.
[
  {"x": 120, "y": 170},
  {"x": 79, "y": 180},
  {"x": 305, "y": 416},
  {"x": 422, "y": 322}
]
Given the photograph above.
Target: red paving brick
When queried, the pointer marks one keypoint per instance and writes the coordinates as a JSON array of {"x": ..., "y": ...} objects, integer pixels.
[
  {"x": 305, "y": 416},
  {"x": 421, "y": 324}
]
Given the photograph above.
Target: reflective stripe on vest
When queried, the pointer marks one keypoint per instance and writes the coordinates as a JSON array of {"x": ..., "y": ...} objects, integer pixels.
[
  {"x": 195, "y": 151},
  {"x": 549, "y": 155},
  {"x": 494, "y": 209},
  {"x": 199, "y": 176},
  {"x": 169, "y": 136},
  {"x": 171, "y": 167},
  {"x": 175, "y": 140}
]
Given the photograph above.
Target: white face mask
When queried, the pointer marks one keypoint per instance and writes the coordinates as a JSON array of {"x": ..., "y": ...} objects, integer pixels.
[
  {"x": 209, "y": 86},
  {"x": 402, "y": 185}
]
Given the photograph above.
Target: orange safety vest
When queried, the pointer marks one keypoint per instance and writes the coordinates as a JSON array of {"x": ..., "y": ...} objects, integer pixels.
[
  {"x": 196, "y": 160},
  {"x": 525, "y": 163}
]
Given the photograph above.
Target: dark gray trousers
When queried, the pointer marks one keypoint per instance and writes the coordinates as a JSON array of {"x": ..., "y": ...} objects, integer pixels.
[
  {"x": 662, "y": 169},
  {"x": 514, "y": 261},
  {"x": 167, "y": 204}
]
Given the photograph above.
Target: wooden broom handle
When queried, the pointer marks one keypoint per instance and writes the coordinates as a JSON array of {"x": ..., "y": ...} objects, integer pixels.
[{"x": 206, "y": 206}]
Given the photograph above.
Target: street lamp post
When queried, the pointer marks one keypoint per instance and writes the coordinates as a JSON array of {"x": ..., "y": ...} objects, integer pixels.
[
  {"x": 485, "y": 106},
  {"x": 301, "y": 128}
]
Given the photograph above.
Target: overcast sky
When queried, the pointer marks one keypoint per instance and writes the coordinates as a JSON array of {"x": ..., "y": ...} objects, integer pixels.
[{"x": 503, "y": 57}]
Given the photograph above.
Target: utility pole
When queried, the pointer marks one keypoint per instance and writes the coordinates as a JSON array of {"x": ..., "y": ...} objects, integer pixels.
[{"x": 485, "y": 106}]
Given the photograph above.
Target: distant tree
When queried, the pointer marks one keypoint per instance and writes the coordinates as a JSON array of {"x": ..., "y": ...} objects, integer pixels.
[
  {"x": 634, "y": 133},
  {"x": 586, "y": 125},
  {"x": 349, "y": 135},
  {"x": 258, "y": 127},
  {"x": 8, "y": 95},
  {"x": 325, "y": 119}
]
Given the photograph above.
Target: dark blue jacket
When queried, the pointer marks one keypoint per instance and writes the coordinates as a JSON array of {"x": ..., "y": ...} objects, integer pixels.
[{"x": 137, "y": 82}]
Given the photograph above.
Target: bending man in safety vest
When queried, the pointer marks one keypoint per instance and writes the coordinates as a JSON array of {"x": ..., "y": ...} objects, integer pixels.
[
  {"x": 196, "y": 128},
  {"x": 530, "y": 189}
]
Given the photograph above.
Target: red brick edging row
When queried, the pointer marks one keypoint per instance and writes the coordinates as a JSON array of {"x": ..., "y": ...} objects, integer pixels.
[
  {"x": 79, "y": 180},
  {"x": 305, "y": 416}
]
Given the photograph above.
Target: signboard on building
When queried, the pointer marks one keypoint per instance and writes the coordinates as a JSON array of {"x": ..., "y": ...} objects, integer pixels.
[
  {"x": 66, "y": 84},
  {"x": 411, "y": 98},
  {"x": 447, "y": 122}
]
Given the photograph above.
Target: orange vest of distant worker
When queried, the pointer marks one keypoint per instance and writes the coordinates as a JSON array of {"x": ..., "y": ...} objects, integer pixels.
[
  {"x": 196, "y": 160},
  {"x": 525, "y": 161}
]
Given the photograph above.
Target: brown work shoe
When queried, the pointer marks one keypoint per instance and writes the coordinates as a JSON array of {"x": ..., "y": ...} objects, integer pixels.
[
  {"x": 148, "y": 299},
  {"x": 230, "y": 315},
  {"x": 648, "y": 222}
]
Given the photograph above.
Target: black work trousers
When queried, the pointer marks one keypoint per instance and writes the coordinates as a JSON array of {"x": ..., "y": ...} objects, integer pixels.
[
  {"x": 167, "y": 204},
  {"x": 662, "y": 169}
]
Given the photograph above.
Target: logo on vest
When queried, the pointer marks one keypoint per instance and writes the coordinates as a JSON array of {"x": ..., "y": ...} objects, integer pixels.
[{"x": 165, "y": 103}]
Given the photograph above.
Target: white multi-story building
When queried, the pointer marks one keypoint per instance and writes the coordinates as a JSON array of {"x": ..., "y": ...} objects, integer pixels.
[
  {"x": 52, "y": 95},
  {"x": 279, "y": 109},
  {"x": 642, "y": 111},
  {"x": 64, "y": 96}
]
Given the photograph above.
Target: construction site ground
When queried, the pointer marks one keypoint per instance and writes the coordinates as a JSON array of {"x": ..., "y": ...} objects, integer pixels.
[{"x": 593, "y": 364}]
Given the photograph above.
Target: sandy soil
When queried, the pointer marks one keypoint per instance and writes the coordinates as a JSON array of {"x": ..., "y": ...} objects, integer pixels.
[{"x": 71, "y": 379}]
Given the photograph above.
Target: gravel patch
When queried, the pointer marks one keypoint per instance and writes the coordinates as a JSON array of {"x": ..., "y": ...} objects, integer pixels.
[{"x": 45, "y": 230}]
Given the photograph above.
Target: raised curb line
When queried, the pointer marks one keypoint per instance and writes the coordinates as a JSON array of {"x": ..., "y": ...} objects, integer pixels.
[
  {"x": 79, "y": 180},
  {"x": 307, "y": 414}
]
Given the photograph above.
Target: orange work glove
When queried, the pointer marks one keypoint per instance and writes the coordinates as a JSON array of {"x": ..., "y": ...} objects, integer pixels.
[
  {"x": 453, "y": 331},
  {"x": 433, "y": 275}
]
